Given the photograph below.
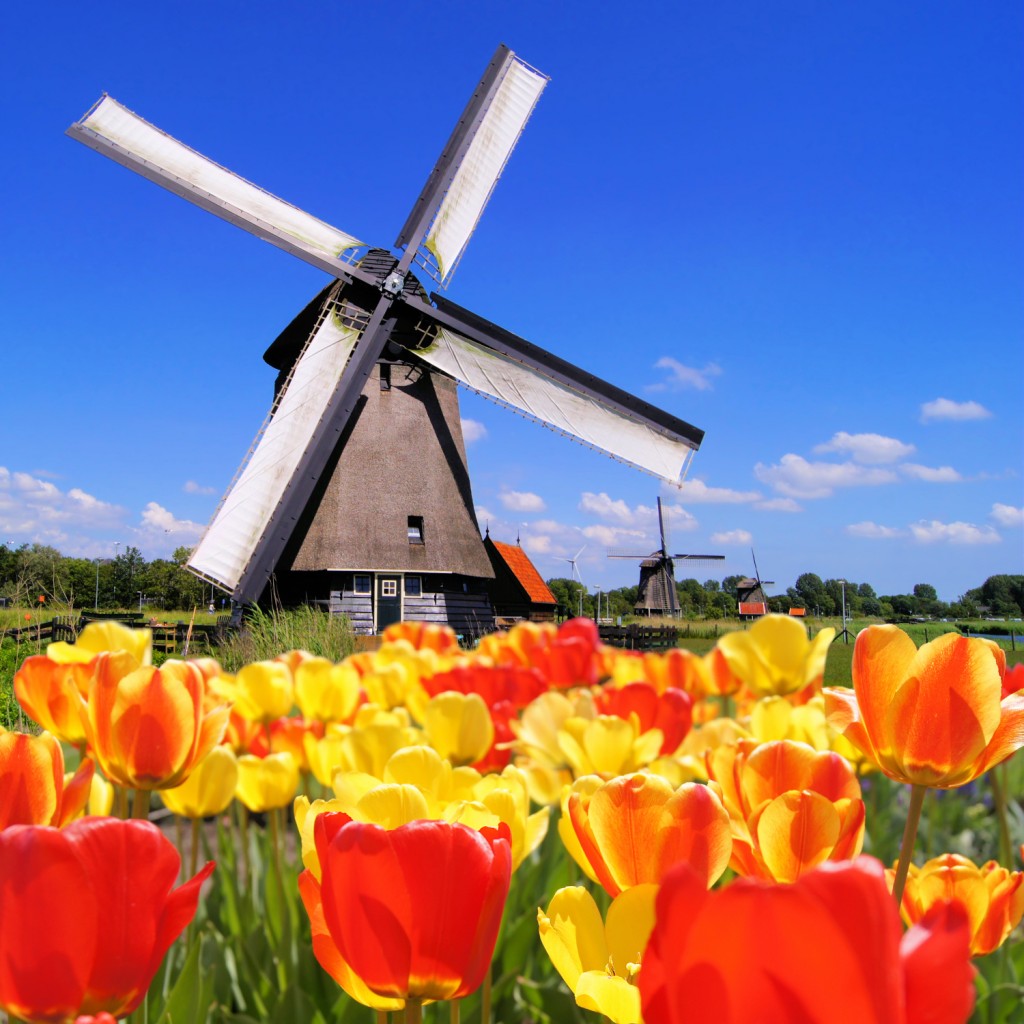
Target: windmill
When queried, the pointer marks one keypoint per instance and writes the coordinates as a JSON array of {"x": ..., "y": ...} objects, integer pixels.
[
  {"x": 356, "y": 491},
  {"x": 750, "y": 596},
  {"x": 656, "y": 594},
  {"x": 574, "y": 574}
]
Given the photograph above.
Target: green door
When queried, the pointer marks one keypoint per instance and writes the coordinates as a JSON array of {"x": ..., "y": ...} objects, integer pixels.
[{"x": 389, "y": 601}]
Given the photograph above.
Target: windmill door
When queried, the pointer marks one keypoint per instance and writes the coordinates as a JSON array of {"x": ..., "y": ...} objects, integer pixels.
[{"x": 389, "y": 601}]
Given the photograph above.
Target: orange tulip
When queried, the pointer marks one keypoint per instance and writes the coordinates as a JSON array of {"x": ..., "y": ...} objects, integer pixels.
[
  {"x": 32, "y": 788},
  {"x": 992, "y": 895},
  {"x": 424, "y": 636},
  {"x": 51, "y": 692},
  {"x": 633, "y": 828},
  {"x": 829, "y": 947},
  {"x": 791, "y": 807},
  {"x": 930, "y": 717},
  {"x": 149, "y": 727}
]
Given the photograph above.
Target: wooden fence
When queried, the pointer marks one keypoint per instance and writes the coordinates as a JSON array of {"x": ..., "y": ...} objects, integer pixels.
[
  {"x": 637, "y": 637},
  {"x": 168, "y": 638}
]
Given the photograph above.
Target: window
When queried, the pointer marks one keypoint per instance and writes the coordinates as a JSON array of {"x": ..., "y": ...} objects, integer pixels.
[
  {"x": 413, "y": 586},
  {"x": 415, "y": 530},
  {"x": 362, "y": 585},
  {"x": 389, "y": 588}
]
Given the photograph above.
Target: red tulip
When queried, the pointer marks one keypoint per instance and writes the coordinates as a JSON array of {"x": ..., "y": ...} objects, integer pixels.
[
  {"x": 827, "y": 949},
  {"x": 671, "y": 711},
  {"x": 413, "y": 911},
  {"x": 86, "y": 915}
]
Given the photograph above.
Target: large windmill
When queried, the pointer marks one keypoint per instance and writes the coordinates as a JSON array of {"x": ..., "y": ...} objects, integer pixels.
[
  {"x": 356, "y": 491},
  {"x": 656, "y": 593}
]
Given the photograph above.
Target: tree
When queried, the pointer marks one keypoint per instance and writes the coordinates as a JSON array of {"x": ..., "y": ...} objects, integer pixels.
[
  {"x": 730, "y": 585},
  {"x": 809, "y": 592}
]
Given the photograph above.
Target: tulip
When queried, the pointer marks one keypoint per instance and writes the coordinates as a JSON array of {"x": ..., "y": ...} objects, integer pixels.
[
  {"x": 790, "y": 806},
  {"x": 774, "y": 656},
  {"x": 32, "y": 786},
  {"x": 98, "y": 637},
  {"x": 608, "y": 745},
  {"x": 414, "y": 911},
  {"x": 86, "y": 915},
  {"x": 829, "y": 947},
  {"x": 51, "y": 693},
  {"x": 326, "y": 692},
  {"x": 260, "y": 691},
  {"x": 208, "y": 790},
  {"x": 992, "y": 895},
  {"x": 148, "y": 727},
  {"x": 635, "y": 827},
  {"x": 458, "y": 726},
  {"x": 267, "y": 783},
  {"x": 599, "y": 960},
  {"x": 424, "y": 636},
  {"x": 670, "y": 711},
  {"x": 931, "y": 717}
]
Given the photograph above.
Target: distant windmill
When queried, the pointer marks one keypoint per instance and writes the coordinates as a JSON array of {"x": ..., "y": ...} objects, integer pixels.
[
  {"x": 356, "y": 492},
  {"x": 656, "y": 594},
  {"x": 750, "y": 596},
  {"x": 575, "y": 575}
]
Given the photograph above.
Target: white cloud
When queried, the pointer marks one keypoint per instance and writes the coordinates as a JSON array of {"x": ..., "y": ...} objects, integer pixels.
[
  {"x": 947, "y": 409},
  {"x": 934, "y": 532},
  {"x": 795, "y": 477},
  {"x": 930, "y": 474},
  {"x": 732, "y": 537},
  {"x": 41, "y": 512},
  {"x": 870, "y": 449},
  {"x": 613, "y": 536},
  {"x": 1007, "y": 515},
  {"x": 522, "y": 501},
  {"x": 473, "y": 430},
  {"x": 191, "y": 487},
  {"x": 779, "y": 505},
  {"x": 874, "y": 531},
  {"x": 696, "y": 491},
  {"x": 606, "y": 507},
  {"x": 156, "y": 519},
  {"x": 681, "y": 377}
]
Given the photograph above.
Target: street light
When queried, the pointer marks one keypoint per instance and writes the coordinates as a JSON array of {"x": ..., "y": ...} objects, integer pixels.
[{"x": 845, "y": 634}]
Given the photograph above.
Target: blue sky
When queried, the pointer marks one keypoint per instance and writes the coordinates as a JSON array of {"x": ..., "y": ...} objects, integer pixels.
[{"x": 796, "y": 225}]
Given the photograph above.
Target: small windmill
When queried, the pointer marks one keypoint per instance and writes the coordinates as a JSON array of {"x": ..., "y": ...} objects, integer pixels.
[
  {"x": 574, "y": 574},
  {"x": 751, "y": 599},
  {"x": 356, "y": 491},
  {"x": 656, "y": 594}
]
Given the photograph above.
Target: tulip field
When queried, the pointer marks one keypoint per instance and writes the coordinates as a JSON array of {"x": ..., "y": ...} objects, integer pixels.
[{"x": 540, "y": 829}]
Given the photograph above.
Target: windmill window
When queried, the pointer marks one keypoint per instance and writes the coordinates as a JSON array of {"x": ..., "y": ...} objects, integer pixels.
[
  {"x": 413, "y": 586},
  {"x": 361, "y": 585},
  {"x": 415, "y": 529}
]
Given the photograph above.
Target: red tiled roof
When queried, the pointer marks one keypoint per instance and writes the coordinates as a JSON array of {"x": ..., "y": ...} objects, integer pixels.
[
  {"x": 523, "y": 569},
  {"x": 753, "y": 608},
  {"x": 797, "y": 611}
]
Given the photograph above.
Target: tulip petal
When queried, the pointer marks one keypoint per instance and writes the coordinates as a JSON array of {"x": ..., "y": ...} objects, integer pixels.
[
  {"x": 31, "y": 779},
  {"x": 881, "y": 657},
  {"x": 573, "y": 934},
  {"x": 939, "y": 975},
  {"x": 795, "y": 833},
  {"x": 613, "y": 997}
]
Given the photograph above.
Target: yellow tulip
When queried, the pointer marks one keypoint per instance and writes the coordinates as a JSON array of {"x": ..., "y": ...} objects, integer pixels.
[
  {"x": 209, "y": 789},
  {"x": 607, "y": 745},
  {"x": 775, "y": 656},
  {"x": 266, "y": 783},
  {"x": 599, "y": 960},
  {"x": 458, "y": 726},
  {"x": 326, "y": 692},
  {"x": 261, "y": 691},
  {"x": 507, "y": 796},
  {"x": 98, "y": 637}
]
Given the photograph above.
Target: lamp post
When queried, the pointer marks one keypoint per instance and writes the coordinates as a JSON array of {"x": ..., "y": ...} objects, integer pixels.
[
  {"x": 96, "y": 600},
  {"x": 845, "y": 634}
]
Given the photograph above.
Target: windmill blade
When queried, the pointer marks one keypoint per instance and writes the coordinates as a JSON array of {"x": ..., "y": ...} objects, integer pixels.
[
  {"x": 700, "y": 558},
  {"x": 239, "y": 523},
  {"x": 116, "y": 132},
  {"x": 499, "y": 365},
  {"x": 458, "y": 188},
  {"x": 661, "y": 530}
]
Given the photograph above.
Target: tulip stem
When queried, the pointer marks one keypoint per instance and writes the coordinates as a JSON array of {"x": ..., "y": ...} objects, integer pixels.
[
  {"x": 456, "y": 1011},
  {"x": 193, "y": 859},
  {"x": 485, "y": 997},
  {"x": 140, "y": 804},
  {"x": 917, "y": 793},
  {"x": 997, "y": 780},
  {"x": 413, "y": 1011}
]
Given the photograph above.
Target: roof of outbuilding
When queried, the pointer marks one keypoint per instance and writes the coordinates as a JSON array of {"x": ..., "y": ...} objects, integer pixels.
[{"x": 525, "y": 572}]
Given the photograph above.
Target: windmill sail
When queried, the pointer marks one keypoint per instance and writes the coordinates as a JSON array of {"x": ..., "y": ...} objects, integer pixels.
[
  {"x": 472, "y": 161},
  {"x": 497, "y": 364},
  {"x": 114, "y": 131},
  {"x": 239, "y": 523}
]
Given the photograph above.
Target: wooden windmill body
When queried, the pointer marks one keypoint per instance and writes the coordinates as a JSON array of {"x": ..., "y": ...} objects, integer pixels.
[
  {"x": 656, "y": 591},
  {"x": 356, "y": 492}
]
